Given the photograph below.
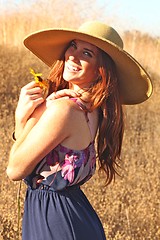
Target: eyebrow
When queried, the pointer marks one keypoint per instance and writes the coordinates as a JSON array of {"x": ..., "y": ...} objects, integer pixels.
[{"x": 86, "y": 49}]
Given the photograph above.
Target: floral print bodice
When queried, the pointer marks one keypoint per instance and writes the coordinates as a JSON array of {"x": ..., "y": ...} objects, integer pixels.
[{"x": 64, "y": 167}]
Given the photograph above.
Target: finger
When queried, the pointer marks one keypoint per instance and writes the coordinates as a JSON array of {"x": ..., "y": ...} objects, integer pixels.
[
  {"x": 32, "y": 105},
  {"x": 30, "y": 91},
  {"x": 30, "y": 85},
  {"x": 36, "y": 96},
  {"x": 38, "y": 101},
  {"x": 52, "y": 96},
  {"x": 66, "y": 92},
  {"x": 34, "y": 90}
]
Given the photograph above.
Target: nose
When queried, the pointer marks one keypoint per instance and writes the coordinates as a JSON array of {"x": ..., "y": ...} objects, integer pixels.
[
  {"x": 71, "y": 57},
  {"x": 74, "y": 58}
]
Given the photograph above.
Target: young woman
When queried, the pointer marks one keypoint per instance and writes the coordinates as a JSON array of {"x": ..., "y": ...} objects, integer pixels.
[{"x": 54, "y": 152}]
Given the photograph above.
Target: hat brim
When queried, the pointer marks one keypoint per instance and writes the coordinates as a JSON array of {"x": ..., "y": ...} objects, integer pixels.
[{"x": 134, "y": 82}]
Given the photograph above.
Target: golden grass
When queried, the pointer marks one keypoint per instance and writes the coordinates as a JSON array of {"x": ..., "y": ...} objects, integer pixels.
[{"x": 128, "y": 208}]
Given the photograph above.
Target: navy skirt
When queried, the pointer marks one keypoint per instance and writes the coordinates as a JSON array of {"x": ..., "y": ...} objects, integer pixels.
[{"x": 60, "y": 215}]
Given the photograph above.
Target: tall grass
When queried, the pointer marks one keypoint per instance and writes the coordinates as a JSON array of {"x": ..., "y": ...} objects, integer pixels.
[{"x": 128, "y": 208}]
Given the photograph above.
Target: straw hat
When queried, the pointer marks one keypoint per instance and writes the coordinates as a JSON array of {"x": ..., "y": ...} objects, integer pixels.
[{"x": 50, "y": 44}]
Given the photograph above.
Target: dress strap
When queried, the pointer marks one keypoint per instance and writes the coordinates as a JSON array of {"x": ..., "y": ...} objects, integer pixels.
[
  {"x": 82, "y": 107},
  {"x": 86, "y": 111}
]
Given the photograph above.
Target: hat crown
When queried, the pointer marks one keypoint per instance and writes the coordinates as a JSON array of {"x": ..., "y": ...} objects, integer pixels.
[{"x": 101, "y": 30}]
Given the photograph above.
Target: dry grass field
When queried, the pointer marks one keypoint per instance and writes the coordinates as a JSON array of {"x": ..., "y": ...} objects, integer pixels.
[{"x": 130, "y": 207}]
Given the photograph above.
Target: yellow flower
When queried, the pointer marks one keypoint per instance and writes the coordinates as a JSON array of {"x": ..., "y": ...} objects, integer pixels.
[{"x": 41, "y": 82}]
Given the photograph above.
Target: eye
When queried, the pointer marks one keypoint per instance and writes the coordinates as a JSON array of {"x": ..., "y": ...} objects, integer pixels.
[
  {"x": 73, "y": 44},
  {"x": 87, "y": 53}
]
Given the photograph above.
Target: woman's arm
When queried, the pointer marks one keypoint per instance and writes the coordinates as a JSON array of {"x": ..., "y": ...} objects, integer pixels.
[{"x": 37, "y": 141}]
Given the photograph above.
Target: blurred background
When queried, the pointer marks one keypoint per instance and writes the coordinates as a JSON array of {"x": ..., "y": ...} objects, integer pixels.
[{"x": 130, "y": 207}]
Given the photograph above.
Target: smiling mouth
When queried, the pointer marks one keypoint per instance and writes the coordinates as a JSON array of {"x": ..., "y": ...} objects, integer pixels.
[{"x": 72, "y": 68}]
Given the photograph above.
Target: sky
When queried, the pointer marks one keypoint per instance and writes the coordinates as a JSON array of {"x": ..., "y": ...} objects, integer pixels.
[{"x": 142, "y": 15}]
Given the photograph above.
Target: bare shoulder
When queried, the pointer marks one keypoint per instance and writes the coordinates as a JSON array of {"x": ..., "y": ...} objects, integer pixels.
[
  {"x": 65, "y": 106},
  {"x": 63, "y": 109}
]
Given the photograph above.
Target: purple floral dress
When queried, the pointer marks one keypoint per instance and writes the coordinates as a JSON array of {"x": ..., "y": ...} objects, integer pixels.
[
  {"x": 55, "y": 206},
  {"x": 63, "y": 168}
]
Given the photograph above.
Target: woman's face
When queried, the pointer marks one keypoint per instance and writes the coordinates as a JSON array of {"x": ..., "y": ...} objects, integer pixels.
[{"x": 81, "y": 63}]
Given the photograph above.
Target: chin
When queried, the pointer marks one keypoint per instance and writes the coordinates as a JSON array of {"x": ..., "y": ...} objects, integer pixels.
[{"x": 69, "y": 78}]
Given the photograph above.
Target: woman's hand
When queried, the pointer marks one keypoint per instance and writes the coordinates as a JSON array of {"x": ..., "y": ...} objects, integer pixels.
[
  {"x": 64, "y": 93},
  {"x": 30, "y": 98}
]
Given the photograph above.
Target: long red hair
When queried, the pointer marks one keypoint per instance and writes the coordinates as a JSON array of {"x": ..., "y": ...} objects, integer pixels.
[{"x": 104, "y": 96}]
